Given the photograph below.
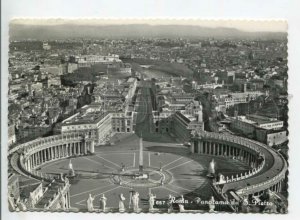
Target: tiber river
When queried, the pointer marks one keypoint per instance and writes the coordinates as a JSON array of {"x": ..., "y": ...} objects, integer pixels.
[{"x": 150, "y": 73}]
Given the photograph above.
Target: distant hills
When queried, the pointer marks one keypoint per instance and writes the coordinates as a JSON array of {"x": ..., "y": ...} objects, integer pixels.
[{"x": 73, "y": 31}]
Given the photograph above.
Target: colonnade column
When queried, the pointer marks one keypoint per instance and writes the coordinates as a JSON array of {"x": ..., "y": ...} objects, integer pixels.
[
  {"x": 45, "y": 155},
  {"x": 279, "y": 187},
  {"x": 32, "y": 160},
  {"x": 207, "y": 147},
  {"x": 192, "y": 149},
  {"x": 73, "y": 152},
  {"x": 51, "y": 153},
  {"x": 27, "y": 165},
  {"x": 70, "y": 149},
  {"x": 92, "y": 147},
  {"x": 67, "y": 150},
  {"x": 36, "y": 159},
  {"x": 78, "y": 147},
  {"x": 239, "y": 154},
  {"x": 84, "y": 147},
  {"x": 245, "y": 156},
  {"x": 222, "y": 149},
  {"x": 200, "y": 147},
  {"x": 30, "y": 163},
  {"x": 42, "y": 156},
  {"x": 60, "y": 151},
  {"x": 249, "y": 158},
  {"x": 39, "y": 157},
  {"x": 56, "y": 152}
]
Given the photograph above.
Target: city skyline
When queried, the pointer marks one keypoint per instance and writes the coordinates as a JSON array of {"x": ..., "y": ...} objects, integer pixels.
[
  {"x": 242, "y": 25},
  {"x": 56, "y": 29}
]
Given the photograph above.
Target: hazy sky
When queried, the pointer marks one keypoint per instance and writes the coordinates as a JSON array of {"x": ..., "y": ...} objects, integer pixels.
[{"x": 244, "y": 25}]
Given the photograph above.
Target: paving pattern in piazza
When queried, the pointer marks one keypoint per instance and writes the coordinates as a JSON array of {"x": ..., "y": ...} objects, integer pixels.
[{"x": 187, "y": 172}]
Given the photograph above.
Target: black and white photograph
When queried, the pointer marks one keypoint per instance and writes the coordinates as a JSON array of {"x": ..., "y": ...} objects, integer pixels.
[{"x": 147, "y": 116}]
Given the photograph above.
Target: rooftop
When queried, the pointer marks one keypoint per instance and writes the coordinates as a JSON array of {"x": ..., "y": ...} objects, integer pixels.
[
  {"x": 85, "y": 118},
  {"x": 261, "y": 119}
]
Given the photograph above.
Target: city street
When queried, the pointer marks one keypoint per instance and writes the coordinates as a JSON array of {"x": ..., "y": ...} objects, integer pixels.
[{"x": 144, "y": 118}]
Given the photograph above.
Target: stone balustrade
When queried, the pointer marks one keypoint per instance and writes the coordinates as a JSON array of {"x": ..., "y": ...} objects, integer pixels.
[
  {"x": 242, "y": 176},
  {"x": 275, "y": 181},
  {"x": 57, "y": 198}
]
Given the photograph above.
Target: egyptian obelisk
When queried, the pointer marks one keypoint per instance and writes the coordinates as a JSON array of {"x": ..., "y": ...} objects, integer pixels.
[{"x": 141, "y": 159}]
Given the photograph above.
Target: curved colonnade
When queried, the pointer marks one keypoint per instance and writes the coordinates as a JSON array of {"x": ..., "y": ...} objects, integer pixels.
[
  {"x": 268, "y": 167},
  {"x": 27, "y": 157}
]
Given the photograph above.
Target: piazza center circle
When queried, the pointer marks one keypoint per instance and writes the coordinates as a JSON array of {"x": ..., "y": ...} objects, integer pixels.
[{"x": 150, "y": 177}]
